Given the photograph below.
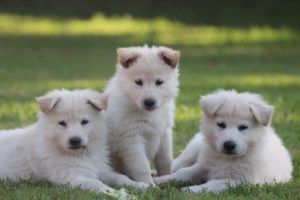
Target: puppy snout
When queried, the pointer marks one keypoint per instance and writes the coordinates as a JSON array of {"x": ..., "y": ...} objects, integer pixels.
[
  {"x": 75, "y": 142},
  {"x": 229, "y": 146},
  {"x": 149, "y": 103}
]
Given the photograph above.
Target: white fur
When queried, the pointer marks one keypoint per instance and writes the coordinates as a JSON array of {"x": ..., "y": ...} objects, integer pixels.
[
  {"x": 42, "y": 150},
  {"x": 137, "y": 135},
  {"x": 259, "y": 156}
]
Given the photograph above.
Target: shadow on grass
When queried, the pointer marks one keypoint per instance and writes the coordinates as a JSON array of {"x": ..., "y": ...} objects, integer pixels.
[{"x": 241, "y": 13}]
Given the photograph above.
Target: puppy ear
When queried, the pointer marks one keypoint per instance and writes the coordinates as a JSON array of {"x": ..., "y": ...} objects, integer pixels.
[
  {"x": 98, "y": 102},
  {"x": 262, "y": 113},
  {"x": 169, "y": 56},
  {"x": 211, "y": 104},
  {"x": 126, "y": 57},
  {"x": 47, "y": 103}
]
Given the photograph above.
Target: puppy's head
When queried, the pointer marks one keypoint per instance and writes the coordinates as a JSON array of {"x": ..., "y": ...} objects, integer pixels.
[
  {"x": 148, "y": 76},
  {"x": 234, "y": 122},
  {"x": 71, "y": 119}
]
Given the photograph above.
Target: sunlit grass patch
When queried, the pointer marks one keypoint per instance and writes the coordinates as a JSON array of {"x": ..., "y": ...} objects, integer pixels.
[
  {"x": 12, "y": 114},
  {"x": 249, "y": 80},
  {"x": 157, "y": 30},
  {"x": 187, "y": 113},
  {"x": 44, "y": 85},
  {"x": 74, "y": 84}
]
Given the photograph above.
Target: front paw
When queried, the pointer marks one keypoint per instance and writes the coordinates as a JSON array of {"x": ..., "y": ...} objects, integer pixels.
[
  {"x": 121, "y": 195},
  {"x": 107, "y": 190},
  {"x": 141, "y": 185},
  {"x": 194, "y": 189},
  {"x": 161, "y": 179},
  {"x": 150, "y": 182}
]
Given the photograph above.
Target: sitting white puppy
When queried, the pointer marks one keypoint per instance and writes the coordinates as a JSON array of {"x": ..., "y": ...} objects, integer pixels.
[
  {"x": 67, "y": 145},
  {"x": 140, "y": 111},
  {"x": 237, "y": 146}
]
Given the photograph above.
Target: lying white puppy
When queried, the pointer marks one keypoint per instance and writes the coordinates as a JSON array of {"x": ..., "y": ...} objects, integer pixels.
[
  {"x": 237, "y": 146},
  {"x": 67, "y": 145}
]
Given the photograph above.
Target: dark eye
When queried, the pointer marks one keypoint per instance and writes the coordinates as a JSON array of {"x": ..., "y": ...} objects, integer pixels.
[
  {"x": 139, "y": 82},
  {"x": 62, "y": 123},
  {"x": 84, "y": 122},
  {"x": 222, "y": 125},
  {"x": 159, "y": 82},
  {"x": 242, "y": 127}
]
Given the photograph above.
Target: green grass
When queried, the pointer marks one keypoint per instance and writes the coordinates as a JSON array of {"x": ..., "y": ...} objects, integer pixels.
[
  {"x": 31, "y": 64},
  {"x": 159, "y": 30}
]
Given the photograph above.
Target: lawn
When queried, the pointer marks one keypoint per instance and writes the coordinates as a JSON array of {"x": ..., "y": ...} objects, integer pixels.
[{"x": 43, "y": 54}]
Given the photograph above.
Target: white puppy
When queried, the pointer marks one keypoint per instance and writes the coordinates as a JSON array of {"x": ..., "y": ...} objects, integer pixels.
[
  {"x": 67, "y": 145},
  {"x": 237, "y": 146},
  {"x": 140, "y": 110}
]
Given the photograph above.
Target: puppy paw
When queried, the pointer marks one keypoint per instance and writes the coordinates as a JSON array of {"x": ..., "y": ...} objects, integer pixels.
[
  {"x": 141, "y": 185},
  {"x": 121, "y": 195},
  {"x": 150, "y": 182},
  {"x": 153, "y": 172},
  {"x": 108, "y": 190},
  {"x": 194, "y": 189},
  {"x": 161, "y": 179}
]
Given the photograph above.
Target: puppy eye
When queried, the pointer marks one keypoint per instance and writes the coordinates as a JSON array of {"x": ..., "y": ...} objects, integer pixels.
[
  {"x": 62, "y": 123},
  {"x": 242, "y": 127},
  {"x": 84, "y": 122},
  {"x": 222, "y": 125},
  {"x": 158, "y": 82},
  {"x": 139, "y": 82}
]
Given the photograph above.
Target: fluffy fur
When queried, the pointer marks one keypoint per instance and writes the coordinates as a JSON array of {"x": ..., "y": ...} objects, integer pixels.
[
  {"x": 44, "y": 150},
  {"x": 140, "y": 110},
  {"x": 236, "y": 146}
]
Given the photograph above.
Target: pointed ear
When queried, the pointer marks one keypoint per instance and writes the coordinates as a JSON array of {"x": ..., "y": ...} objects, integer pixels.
[
  {"x": 47, "y": 103},
  {"x": 169, "y": 56},
  {"x": 262, "y": 113},
  {"x": 98, "y": 102},
  {"x": 211, "y": 104},
  {"x": 126, "y": 57}
]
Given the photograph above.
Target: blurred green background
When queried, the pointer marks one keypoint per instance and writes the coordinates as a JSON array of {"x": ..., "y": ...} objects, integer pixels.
[{"x": 247, "y": 45}]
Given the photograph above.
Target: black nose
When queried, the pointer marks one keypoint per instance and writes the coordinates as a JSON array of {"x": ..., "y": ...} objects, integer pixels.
[
  {"x": 75, "y": 142},
  {"x": 149, "y": 103},
  {"x": 229, "y": 145}
]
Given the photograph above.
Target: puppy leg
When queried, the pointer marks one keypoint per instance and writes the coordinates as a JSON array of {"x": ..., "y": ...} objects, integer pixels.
[
  {"x": 164, "y": 156},
  {"x": 212, "y": 186},
  {"x": 91, "y": 184},
  {"x": 189, "y": 154},
  {"x": 112, "y": 177},
  {"x": 191, "y": 174},
  {"x": 136, "y": 163}
]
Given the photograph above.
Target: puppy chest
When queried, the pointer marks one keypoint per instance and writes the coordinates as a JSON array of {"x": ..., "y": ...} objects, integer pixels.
[
  {"x": 152, "y": 133},
  {"x": 151, "y": 144},
  {"x": 143, "y": 130}
]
